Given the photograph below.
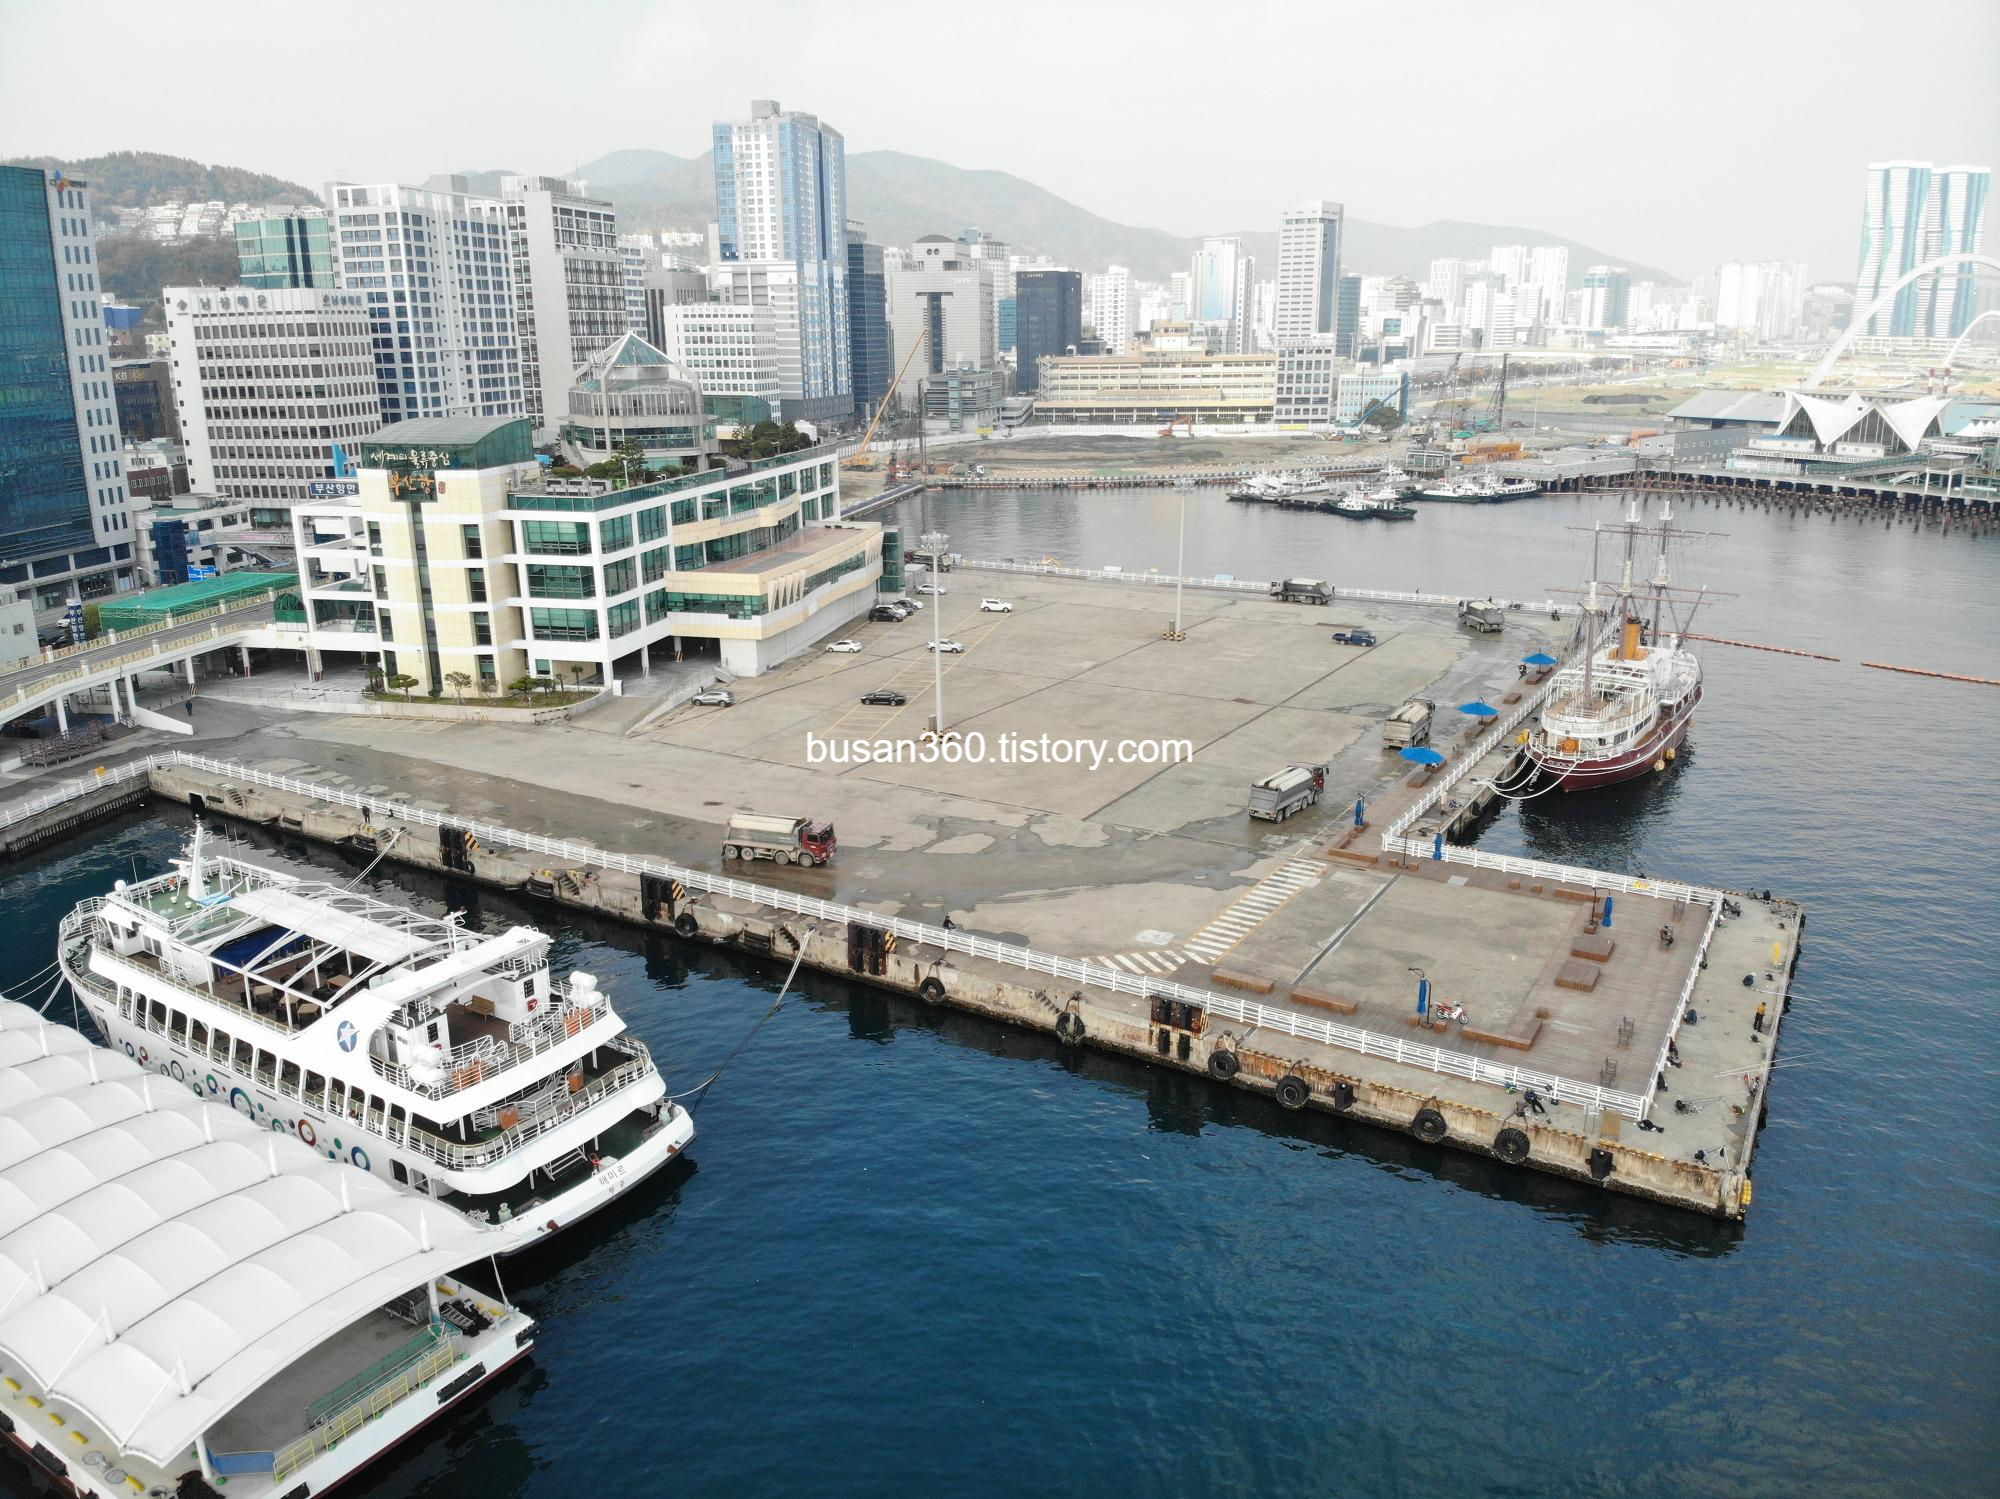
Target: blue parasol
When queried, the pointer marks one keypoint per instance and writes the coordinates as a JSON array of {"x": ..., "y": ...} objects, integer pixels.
[
  {"x": 1479, "y": 710},
  {"x": 1540, "y": 658},
  {"x": 1418, "y": 754}
]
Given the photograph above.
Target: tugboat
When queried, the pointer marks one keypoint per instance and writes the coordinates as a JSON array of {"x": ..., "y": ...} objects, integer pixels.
[
  {"x": 1625, "y": 711},
  {"x": 1383, "y": 503},
  {"x": 403, "y": 1044}
]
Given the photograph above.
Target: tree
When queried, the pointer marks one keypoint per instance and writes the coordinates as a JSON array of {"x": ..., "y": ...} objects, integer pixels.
[
  {"x": 522, "y": 686},
  {"x": 374, "y": 675},
  {"x": 576, "y": 671},
  {"x": 1384, "y": 417},
  {"x": 767, "y": 440},
  {"x": 458, "y": 681},
  {"x": 93, "y": 621},
  {"x": 402, "y": 682}
]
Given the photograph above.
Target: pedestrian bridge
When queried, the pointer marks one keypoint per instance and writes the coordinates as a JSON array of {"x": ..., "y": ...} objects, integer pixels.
[{"x": 33, "y": 684}]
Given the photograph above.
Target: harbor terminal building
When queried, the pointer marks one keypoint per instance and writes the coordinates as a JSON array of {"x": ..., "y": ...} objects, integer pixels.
[{"x": 455, "y": 562}]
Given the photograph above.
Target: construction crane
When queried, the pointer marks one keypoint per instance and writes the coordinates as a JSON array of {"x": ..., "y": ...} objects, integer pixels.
[
  {"x": 1499, "y": 408},
  {"x": 859, "y": 458}
]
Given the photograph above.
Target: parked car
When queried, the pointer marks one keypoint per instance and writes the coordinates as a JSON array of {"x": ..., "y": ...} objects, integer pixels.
[
  {"x": 995, "y": 606},
  {"x": 714, "y": 697},
  {"x": 1354, "y": 637},
  {"x": 949, "y": 647},
  {"x": 884, "y": 697},
  {"x": 888, "y": 614},
  {"x": 930, "y": 588},
  {"x": 845, "y": 648}
]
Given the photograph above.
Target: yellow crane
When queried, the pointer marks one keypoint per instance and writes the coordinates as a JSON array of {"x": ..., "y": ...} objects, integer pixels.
[{"x": 859, "y": 458}]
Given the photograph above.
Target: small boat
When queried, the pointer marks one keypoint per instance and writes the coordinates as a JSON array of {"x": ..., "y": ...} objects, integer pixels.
[{"x": 1457, "y": 492}]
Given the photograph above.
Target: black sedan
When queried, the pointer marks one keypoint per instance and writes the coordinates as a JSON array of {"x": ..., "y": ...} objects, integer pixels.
[{"x": 884, "y": 698}]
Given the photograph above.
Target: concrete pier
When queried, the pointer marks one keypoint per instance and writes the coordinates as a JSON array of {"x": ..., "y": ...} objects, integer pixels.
[{"x": 1133, "y": 907}]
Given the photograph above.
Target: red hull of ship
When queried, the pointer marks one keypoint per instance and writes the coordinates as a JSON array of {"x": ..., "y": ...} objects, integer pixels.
[{"x": 1573, "y": 775}]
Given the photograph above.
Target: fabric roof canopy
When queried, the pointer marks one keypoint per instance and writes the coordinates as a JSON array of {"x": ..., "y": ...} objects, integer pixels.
[
  {"x": 161, "y": 1258},
  {"x": 374, "y": 940}
]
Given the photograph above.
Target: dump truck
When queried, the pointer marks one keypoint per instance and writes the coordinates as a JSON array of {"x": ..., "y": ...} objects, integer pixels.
[
  {"x": 1303, "y": 591},
  {"x": 787, "y": 840},
  {"x": 1409, "y": 724},
  {"x": 1484, "y": 615},
  {"x": 1297, "y": 786}
]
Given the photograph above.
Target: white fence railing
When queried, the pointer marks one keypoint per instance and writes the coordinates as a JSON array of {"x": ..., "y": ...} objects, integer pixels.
[
  {"x": 88, "y": 665},
  {"x": 1259, "y": 587},
  {"x": 1011, "y": 955}
]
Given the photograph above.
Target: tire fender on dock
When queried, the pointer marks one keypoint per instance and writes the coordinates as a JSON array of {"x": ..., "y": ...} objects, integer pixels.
[
  {"x": 1429, "y": 1125},
  {"x": 1512, "y": 1145},
  {"x": 1069, "y": 1026},
  {"x": 686, "y": 925},
  {"x": 1292, "y": 1091},
  {"x": 1223, "y": 1064},
  {"x": 931, "y": 990}
]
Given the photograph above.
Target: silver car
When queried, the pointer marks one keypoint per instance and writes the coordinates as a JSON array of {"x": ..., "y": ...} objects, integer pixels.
[{"x": 714, "y": 697}]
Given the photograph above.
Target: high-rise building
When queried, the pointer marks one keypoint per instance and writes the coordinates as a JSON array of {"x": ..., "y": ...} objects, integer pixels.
[
  {"x": 781, "y": 195},
  {"x": 868, "y": 345},
  {"x": 1607, "y": 296},
  {"x": 435, "y": 267},
  {"x": 285, "y": 249},
  {"x": 1308, "y": 274},
  {"x": 1913, "y": 213},
  {"x": 1048, "y": 321},
  {"x": 670, "y": 286},
  {"x": 730, "y": 349},
  {"x": 1219, "y": 290},
  {"x": 1548, "y": 270},
  {"x": 639, "y": 254},
  {"x": 1347, "y": 339},
  {"x": 569, "y": 288},
  {"x": 65, "y": 519},
  {"x": 268, "y": 384},
  {"x": 1762, "y": 298},
  {"x": 944, "y": 296},
  {"x": 1111, "y": 307},
  {"x": 1446, "y": 284},
  {"x": 1509, "y": 263},
  {"x": 1180, "y": 297}
]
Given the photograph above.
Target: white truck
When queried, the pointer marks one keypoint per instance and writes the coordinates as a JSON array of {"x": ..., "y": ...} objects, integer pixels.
[
  {"x": 1409, "y": 724},
  {"x": 1303, "y": 591},
  {"x": 1295, "y": 787},
  {"x": 788, "y": 840},
  {"x": 1487, "y": 616}
]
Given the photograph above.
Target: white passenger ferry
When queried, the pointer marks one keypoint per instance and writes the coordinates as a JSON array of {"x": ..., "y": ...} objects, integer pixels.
[{"x": 400, "y": 1043}]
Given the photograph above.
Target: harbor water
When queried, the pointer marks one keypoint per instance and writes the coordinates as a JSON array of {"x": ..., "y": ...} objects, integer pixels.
[{"x": 917, "y": 1252}]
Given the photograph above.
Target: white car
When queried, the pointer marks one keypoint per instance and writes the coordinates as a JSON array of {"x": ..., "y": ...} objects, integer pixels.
[
  {"x": 949, "y": 647},
  {"x": 845, "y": 648},
  {"x": 995, "y": 606},
  {"x": 930, "y": 588}
]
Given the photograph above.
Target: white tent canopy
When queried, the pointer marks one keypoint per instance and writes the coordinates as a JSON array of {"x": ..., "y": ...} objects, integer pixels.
[{"x": 161, "y": 1257}]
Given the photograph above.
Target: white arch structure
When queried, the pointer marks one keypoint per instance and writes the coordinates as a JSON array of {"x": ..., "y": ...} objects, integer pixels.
[
  {"x": 1959, "y": 342},
  {"x": 1860, "y": 319}
]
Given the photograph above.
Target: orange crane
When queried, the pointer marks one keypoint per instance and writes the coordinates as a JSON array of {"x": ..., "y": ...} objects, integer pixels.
[{"x": 859, "y": 458}]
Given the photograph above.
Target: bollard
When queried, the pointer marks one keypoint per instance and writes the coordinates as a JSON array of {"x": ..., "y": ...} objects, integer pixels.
[
  {"x": 1357, "y": 813},
  {"x": 1423, "y": 998},
  {"x": 1437, "y": 847},
  {"x": 1607, "y": 912}
]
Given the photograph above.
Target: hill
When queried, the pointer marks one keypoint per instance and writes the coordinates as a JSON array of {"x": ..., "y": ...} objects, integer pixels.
[
  {"x": 138, "y": 179},
  {"x": 900, "y": 196}
]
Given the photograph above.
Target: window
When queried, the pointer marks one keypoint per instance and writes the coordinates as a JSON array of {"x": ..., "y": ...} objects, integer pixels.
[
  {"x": 563, "y": 624},
  {"x": 482, "y": 634},
  {"x": 547, "y": 581},
  {"x": 475, "y": 584},
  {"x": 474, "y": 545},
  {"x": 555, "y": 537},
  {"x": 616, "y": 533},
  {"x": 620, "y": 577}
]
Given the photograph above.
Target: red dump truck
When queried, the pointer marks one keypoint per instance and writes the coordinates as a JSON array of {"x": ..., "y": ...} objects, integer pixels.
[{"x": 788, "y": 840}]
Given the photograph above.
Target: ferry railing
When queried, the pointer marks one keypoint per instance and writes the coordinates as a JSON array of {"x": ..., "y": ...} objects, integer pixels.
[
  {"x": 473, "y": 1062},
  {"x": 1026, "y": 959},
  {"x": 459, "y": 1156},
  {"x": 288, "y": 1460}
]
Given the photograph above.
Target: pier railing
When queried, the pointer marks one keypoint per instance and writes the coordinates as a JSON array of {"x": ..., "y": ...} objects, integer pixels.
[
  {"x": 1259, "y": 588},
  {"x": 1068, "y": 970}
]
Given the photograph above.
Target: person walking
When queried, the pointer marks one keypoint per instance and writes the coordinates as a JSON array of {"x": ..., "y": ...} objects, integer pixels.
[{"x": 1757, "y": 1025}]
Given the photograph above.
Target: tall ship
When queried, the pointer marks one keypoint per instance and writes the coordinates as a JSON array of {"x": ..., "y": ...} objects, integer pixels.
[
  {"x": 1625, "y": 711},
  {"x": 401, "y": 1043}
]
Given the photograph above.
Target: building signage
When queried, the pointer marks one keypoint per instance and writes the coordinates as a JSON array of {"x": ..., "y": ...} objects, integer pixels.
[
  {"x": 201, "y": 574},
  {"x": 412, "y": 486},
  {"x": 418, "y": 457},
  {"x": 331, "y": 489}
]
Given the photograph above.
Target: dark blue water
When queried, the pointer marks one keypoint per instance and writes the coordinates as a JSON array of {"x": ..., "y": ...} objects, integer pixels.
[{"x": 921, "y": 1253}]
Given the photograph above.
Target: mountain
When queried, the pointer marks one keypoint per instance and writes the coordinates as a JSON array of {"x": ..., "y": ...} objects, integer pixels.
[
  {"x": 900, "y": 196},
  {"x": 136, "y": 179}
]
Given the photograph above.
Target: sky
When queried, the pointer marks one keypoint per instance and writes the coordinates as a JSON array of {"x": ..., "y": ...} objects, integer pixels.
[{"x": 1676, "y": 134}]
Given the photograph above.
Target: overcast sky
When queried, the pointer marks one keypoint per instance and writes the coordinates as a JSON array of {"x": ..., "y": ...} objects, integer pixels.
[{"x": 1676, "y": 134}]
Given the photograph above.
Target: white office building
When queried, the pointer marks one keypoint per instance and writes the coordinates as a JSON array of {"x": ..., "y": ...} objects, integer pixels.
[
  {"x": 781, "y": 195},
  {"x": 569, "y": 288},
  {"x": 638, "y": 254},
  {"x": 1111, "y": 307},
  {"x": 729, "y": 349},
  {"x": 272, "y": 386},
  {"x": 1761, "y": 299},
  {"x": 943, "y": 289},
  {"x": 1548, "y": 272},
  {"x": 435, "y": 267},
  {"x": 1308, "y": 306}
]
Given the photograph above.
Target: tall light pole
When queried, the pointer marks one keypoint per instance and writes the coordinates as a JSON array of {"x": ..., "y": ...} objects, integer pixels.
[{"x": 1180, "y": 565}]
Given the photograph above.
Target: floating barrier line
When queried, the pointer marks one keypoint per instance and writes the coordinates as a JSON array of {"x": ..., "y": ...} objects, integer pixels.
[
  {"x": 1943, "y": 676},
  {"x": 1751, "y": 645}
]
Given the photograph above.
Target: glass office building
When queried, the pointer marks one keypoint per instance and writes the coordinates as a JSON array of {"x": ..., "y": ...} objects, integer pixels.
[
  {"x": 44, "y": 496},
  {"x": 285, "y": 250}
]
